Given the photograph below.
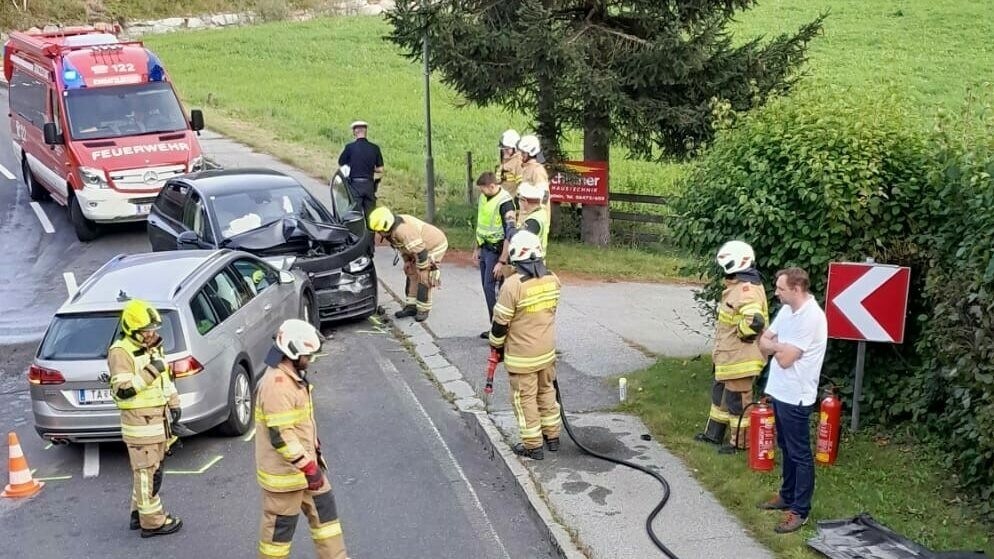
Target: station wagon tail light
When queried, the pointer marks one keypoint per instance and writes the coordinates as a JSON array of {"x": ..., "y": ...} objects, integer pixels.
[
  {"x": 186, "y": 367},
  {"x": 41, "y": 375}
]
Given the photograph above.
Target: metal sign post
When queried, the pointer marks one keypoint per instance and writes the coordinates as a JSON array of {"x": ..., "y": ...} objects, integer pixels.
[
  {"x": 858, "y": 386},
  {"x": 429, "y": 160}
]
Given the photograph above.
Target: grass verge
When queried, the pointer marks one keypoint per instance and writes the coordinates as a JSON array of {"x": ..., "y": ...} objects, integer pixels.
[{"x": 900, "y": 484}]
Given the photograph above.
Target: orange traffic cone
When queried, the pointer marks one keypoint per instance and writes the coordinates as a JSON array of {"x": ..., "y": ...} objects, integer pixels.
[{"x": 21, "y": 483}]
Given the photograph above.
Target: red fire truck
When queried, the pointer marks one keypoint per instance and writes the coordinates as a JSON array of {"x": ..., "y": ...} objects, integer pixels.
[{"x": 96, "y": 124}]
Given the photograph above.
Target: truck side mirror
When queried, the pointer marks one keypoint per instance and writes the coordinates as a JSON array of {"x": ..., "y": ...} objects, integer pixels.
[
  {"x": 52, "y": 136},
  {"x": 197, "y": 120}
]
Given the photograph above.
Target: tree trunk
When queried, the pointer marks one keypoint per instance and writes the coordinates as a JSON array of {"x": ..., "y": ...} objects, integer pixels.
[{"x": 595, "y": 228}]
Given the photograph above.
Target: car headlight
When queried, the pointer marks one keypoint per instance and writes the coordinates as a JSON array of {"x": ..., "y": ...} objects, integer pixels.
[
  {"x": 197, "y": 164},
  {"x": 358, "y": 265},
  {"x": 93, "y": 178}
]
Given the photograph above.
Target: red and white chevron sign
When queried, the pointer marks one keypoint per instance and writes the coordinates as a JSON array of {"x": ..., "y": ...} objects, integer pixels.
[{"x": 867, "y": 302}]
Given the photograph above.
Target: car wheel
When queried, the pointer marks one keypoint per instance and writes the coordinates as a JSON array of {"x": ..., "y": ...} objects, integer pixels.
[
  {"x": 309, "y": 311},
  {"x": 240, "y": 400},
  {"x": 36, "y": 191},
  {"x": 86, "y": 230}
]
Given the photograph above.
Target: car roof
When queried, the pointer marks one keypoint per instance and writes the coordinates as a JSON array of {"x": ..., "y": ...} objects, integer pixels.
[
  {"x": 227, "y": 181},
  {"x": 156, "y": 277}
]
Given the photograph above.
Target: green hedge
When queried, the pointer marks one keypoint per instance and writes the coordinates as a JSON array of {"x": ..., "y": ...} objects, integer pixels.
[{"x": 837, "y": 177}]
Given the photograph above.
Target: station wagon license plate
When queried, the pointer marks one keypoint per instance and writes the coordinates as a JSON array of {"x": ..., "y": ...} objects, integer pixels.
[
  {"x": 143, "y": 209},
  {"x": 94, "y": 396}
]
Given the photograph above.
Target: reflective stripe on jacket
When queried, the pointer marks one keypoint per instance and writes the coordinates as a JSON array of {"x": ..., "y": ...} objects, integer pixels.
[
  {"x": 143, "y": 416},
  {"x": 286, "y": 433},
  {"x": 736, "y": 350}
]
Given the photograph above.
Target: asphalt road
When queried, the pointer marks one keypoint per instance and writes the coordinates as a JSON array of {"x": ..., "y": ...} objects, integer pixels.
[{"x": 410, "y": 479}]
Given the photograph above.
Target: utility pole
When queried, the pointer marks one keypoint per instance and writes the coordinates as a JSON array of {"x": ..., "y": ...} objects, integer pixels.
[{"x": 429, "y": 160}]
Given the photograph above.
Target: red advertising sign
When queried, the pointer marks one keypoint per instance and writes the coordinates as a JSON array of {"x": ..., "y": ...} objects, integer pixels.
[
  {"x": 580, "y": 182},
  {"x": 867, "y": 302}
]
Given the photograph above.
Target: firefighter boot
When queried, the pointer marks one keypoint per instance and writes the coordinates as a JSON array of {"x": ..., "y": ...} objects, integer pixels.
[
  {"x": 533, "y": 453},
  {"x": 713, "y": 433},
  {"x": 408, "y": 310},
  {"x": 421, "y": 316},
  {"x": 135, "y": 524},
  {"x": 551, "y": 444},
  {"x": 171, "y": 526}
]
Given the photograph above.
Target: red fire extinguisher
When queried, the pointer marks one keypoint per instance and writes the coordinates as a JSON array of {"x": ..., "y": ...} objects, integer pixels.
[
  {"x": 829, "y": 427},
  {"x": 762, "y": 437}
]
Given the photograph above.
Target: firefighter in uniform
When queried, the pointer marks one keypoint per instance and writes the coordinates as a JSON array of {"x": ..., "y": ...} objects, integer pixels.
[
  {"x": 422, "y": 246},
  {"x": 142, "y": 388},
  {"x": 288, "y": 460},
  {"x": 533, "y": 216},
  {"x": 524, "y": 336},
  {"x": 509, "y": 170},
  {"x": 742, "y": 316}
]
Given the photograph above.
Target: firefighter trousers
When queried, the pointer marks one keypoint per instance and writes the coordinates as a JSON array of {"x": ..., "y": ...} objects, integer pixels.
[
  {"x": 279, "y": 522},
  {"x": 420, "y": 284},
  {"x": 728, "y": 400},
  {"x": 533, "y": 399},
  {"x": 146, "y": 470}
]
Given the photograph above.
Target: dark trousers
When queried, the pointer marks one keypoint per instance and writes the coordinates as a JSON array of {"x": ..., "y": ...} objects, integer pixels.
[
  {"x": 489, "y": 259},
  {"x": 794, "y": 439},
  {"x": 365, "y": 193}
]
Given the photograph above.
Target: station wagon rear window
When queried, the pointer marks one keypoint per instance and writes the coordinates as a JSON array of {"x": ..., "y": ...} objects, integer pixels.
[{"x": 87, "y": 336}]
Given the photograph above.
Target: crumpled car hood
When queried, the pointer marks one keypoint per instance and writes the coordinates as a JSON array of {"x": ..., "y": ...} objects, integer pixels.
[{"x": 289, "y": 231}]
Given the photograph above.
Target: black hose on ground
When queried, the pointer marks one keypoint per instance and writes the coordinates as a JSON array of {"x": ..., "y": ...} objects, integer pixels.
[{"x": 659, "y": 478}]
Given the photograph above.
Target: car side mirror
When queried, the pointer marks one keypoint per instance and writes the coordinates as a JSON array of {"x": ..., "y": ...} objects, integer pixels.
[
  {"x": 52, "y": 136},
  {"x": 197, "y": 120},
  {"x": 286, "y": 277},
  {"x": 353, "y": 216},
  {"x": 188, "y": 240}
]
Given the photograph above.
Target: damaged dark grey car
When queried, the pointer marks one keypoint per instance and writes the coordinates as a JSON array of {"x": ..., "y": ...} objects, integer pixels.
[{"x": 271, "y": 215}]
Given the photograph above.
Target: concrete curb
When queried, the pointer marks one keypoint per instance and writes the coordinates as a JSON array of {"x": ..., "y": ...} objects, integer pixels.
[{"x": 473, "y": 411}]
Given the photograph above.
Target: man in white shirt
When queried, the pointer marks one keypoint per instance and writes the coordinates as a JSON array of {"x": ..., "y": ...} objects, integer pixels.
[{"x": 796, "y": 341}]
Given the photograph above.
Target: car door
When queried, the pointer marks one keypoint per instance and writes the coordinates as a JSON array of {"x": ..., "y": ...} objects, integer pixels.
[
  {"x": 195, "y": 219},
  {"x": 234, "y": 301},
  {"x": 271, "y": 302},
  {"x": 165, "y": 220}
]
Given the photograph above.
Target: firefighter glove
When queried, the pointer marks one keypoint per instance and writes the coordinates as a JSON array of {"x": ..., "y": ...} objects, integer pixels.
[
  {"x": 499, "y": 352},
  {"x": 315, "y": 479},
  {"x": 175, "y": 414}
]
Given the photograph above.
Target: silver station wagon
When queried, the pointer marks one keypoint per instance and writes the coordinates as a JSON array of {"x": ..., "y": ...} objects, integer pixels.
[{"x": 220, "y": 310}]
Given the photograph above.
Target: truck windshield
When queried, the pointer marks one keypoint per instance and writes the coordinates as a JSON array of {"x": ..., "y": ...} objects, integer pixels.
[{"x": 112, "y": 112}]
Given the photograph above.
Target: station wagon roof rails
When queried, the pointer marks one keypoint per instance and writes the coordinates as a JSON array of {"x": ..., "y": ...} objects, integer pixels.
[
  {"x": 207, "y": 262},
  {"x": 89, "y": 281}
]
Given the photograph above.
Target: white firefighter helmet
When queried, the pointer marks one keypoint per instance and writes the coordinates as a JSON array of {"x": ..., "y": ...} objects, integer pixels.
[
  {"x": 735, "y": 256},
  {"x": 529, "y": 145},
  {"x": 359, "y": 124},
  {"x": 531, "y": 191},
  {"x": 509, "y": 139},
  {"x": 525, "y": 245},
  {"x": 296, "y": 338}
]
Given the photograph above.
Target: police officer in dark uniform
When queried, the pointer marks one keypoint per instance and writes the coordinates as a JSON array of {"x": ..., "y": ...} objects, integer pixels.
[{"x": 365, "y": 166}]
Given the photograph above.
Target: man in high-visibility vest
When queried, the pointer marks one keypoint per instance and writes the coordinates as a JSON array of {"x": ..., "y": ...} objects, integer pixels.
[
  {"x": 524, "y": 336},
  {"x": 743, "y": 314},
  {"x": 288, "y": 460},
  {"x": 494, "y": 224},
  {"x": 422, "y": 246},
  {"x": 142, "y": 387}
]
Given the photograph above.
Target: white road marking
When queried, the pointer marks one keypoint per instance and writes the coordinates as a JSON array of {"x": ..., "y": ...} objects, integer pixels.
[
  {"x": 45, "y": 223},
  {"x": 91, "y": 460},
  {"x": 393, "y": 376},
  {"x": 70, "y": 279},
  {"x": 6, "y": 173}
]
